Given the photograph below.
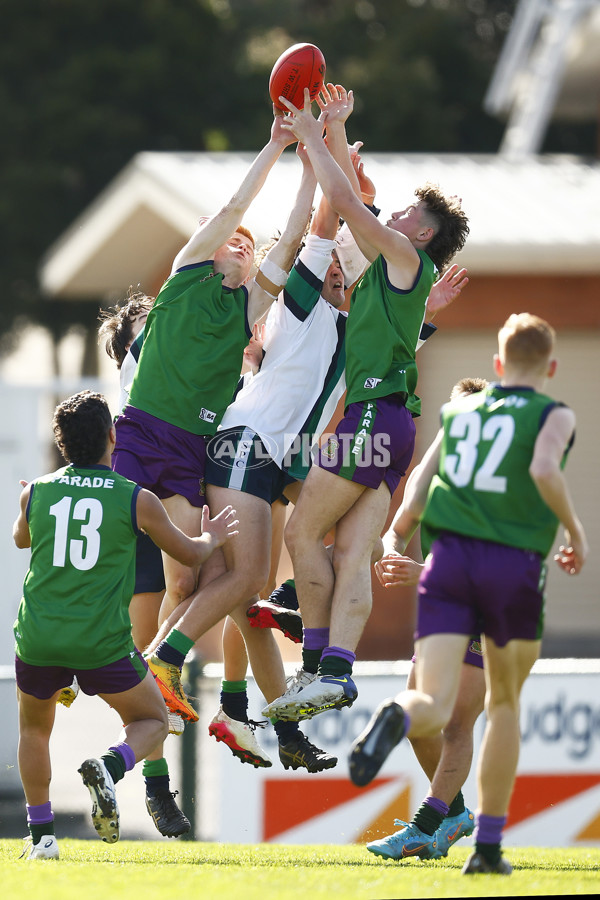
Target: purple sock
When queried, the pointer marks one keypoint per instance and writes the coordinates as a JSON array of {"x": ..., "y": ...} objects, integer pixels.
[
  {"x": 39, "y": 815},
  {"x": 126, "y": 752},
  {"x": 346, "y": 655},
  {"x": 406, "y": 722},
  {"x": 315, "y": 638},
  {"x": 437, "y": 804},
  {"x": 489, "y": 829}
]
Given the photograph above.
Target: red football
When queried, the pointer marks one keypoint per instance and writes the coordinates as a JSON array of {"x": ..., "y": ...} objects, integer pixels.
[{"x": 301, "y": 66}]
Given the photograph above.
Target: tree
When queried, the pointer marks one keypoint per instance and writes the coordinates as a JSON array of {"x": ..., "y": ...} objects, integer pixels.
[{"x": 93, "y": 83}]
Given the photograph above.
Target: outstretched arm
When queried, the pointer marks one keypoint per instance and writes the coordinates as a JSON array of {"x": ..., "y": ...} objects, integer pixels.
[
  {"x": 372, "y": 236},
  {"x": 336, "y": 105},
  {"x": 212, "y": 233},
  {"x": 274, "y": 269},
  {"x": 154, "y": 520}
]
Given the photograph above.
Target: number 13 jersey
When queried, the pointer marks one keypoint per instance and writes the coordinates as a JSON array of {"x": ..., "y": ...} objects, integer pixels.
[{"x": 74, "y": 611}]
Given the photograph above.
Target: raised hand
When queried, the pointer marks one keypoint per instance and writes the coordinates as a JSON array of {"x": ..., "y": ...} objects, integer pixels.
[
  {"x": 301, "y": 123},
  {"x": 280, "y": 134},
  {"x": 367, "y": 188},
  {"x": 335, "y": 103},
  {"x": 446, "y": 289}
]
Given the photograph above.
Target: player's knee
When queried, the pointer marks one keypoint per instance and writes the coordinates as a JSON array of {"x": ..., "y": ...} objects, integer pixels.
[
  {"x": 250, "y": 578},
  {"x": 161, "y": 721},
  {"x": 458, "y": 730},
  {"x": 181, "y": 586},
  {"x": 348, "y": 558},
  {"x": 292, "y": 535},
  {"x": 439, "y": 716}
]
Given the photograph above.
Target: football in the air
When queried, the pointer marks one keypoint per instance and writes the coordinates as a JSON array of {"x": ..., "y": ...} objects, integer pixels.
[{"x": 301, "y": 66}]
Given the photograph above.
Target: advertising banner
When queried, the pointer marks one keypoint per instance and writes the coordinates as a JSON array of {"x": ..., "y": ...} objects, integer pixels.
[{"x": 556, "y": 799}]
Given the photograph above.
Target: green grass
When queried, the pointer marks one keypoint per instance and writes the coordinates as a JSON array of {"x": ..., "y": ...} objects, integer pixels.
[{"x": 91, "y": 870}]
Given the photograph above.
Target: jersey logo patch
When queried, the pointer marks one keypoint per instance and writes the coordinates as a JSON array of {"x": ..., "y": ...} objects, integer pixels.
[
  {"x": 331, "y": 448},
  {"x": 371, "y": 383},
  {"x": 207, "y": 415}
]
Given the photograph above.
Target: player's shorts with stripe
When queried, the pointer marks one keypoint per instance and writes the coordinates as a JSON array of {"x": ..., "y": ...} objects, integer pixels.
[
  {"x": 374, "y": 442},
  {"x": 237, "y": 458},
  {"x": 149, "y": 571},
  {"x": 163, "y": 458},
  {"x": 44, "y": 681},
  {"x": 470, "y": 586}
]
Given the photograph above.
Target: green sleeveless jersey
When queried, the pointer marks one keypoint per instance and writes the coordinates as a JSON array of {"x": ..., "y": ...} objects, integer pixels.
[
  {"x": 483, "y": 488},
  {"x": 192, "y": 353},
  {"x": 75, "y": 606},
  {"x": 383, "y": 328}
]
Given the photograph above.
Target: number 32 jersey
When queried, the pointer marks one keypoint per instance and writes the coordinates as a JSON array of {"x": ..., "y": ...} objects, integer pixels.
[
  {"x": 483, "y": 488},
  {"x": 75, "y": 606}
]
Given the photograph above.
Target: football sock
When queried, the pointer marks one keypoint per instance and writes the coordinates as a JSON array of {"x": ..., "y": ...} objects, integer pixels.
[
  {"x": 40, "y": 820},
  {"x": 174, "y": 648},
  {"x": 430, "y": 815},
  {"x": 286, "y": 595},
  {"x": 119, "y": 759},
  {"x": 234, "y": 699},
  {"x": 156, "y": 775},
  {"x": 285, "y": 731},
  {"x": 457, "y": 806},
  {"x": 488, "y": 837},
  {"x": 336, "y": 661},
  {"x": 314, "y": 642}
]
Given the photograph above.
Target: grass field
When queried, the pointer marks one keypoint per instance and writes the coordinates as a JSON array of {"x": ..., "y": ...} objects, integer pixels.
[{"x": 91, "y": 870}]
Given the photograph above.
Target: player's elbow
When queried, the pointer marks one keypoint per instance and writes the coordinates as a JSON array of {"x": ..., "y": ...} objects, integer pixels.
[
  {"x": 543, "y": 470},
  {"x": 21, "y": 538},
  {"x": 339, "y": 200}
]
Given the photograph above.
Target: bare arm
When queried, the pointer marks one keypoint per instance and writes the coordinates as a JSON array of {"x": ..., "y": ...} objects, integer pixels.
[
  {"x": 212, "y": 233},
  {"x": 280, "y": 258},
  {"x": 21, "y": 535},
  {"x": 372, "y": 236},
  {"x": 336, "y": 106},
  {"x": 394, "y": 567},
  {"x": 551, "y": 483},
  {"x": 153, "y": 519}
]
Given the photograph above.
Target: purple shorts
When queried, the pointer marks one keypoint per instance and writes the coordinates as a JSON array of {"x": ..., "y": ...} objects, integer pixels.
[
  {"x": 374, "y": 442},
  {"x": 163, "y": 458},
  {"x": 472, "y": 587},
  {"x": 44, "y": 681},
  {"x": 473, "y": 656}
]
